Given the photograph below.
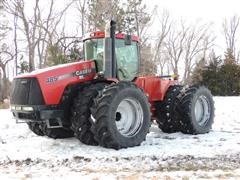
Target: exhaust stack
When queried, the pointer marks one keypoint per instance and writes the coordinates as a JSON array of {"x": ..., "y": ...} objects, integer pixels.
[{"x": 109, "y": 63}]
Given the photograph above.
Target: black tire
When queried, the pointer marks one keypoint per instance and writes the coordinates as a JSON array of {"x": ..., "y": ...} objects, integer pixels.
[
  {"x": 197, "y": 110},
  {"x": 166, "y": 114},
  {"x": 81, "y": 113},
  {"x": 57, "y": 133},
  {"x": 35, "y": 127},
  {"x": 66, "y": 104},
  {"x": 105, "y": 116}
]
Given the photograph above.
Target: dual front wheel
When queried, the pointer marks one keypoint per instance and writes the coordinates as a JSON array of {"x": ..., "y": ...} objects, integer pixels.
[{"x": 119, "y": 116}]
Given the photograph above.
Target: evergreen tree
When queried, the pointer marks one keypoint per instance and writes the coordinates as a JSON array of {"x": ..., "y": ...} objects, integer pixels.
[
  {"x": 211, "y": 78},
  {"x": 197, "y": 72},
  {"x": 221, "y": 78},
  {"x": 56, "y": 55},
  {"x": 230, "y": 73},
  {"x": 102, "y": 11},
  {"x": 229, "y": 57},
  {"x": 61, "y": 55}
]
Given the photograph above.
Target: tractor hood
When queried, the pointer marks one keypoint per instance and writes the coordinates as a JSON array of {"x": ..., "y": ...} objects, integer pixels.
[
  {"x": 53, "y": 80},
  {"x": 59, "y": 69}
]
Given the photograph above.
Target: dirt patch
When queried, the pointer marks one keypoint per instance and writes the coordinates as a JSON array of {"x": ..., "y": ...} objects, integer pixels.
[{"x": 152, "y": 163}]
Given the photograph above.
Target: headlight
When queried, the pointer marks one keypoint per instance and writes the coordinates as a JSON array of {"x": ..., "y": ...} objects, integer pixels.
[
  {"x": 18, "y": 108},
  {"x": 26, "y": 108},
  {"x": 13, "y": 107}
]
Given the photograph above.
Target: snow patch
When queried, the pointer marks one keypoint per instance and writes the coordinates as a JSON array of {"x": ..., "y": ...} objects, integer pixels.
[{"x": 23, "y": 150}]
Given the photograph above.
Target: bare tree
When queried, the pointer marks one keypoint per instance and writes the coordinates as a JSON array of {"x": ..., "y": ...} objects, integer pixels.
[
  {"x": 81, "y": 6},
  {"x": 5, "y": 54},
  {"x": 17, "y": 8},
  {"x": 147, "y": 66},
  {"x": 138, "y": 21},
  {"x": 175, "y": 46},
  {"x": 163, "y": 61},
  {"x": 38, "y": 29},
  {"x": 160, "y": 57},
  {"x": 15, "y": 43},
  {"x": 47, "y": 31},
  {"x": 230, "y": 29},
  {"x": 198, "y": 41},
  {"x": 5, "y": 57},
  {"x": 185, "y": 44}
]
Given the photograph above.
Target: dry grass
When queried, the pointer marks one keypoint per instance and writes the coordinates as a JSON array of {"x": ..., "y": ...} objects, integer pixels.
[{"x": 5, "y": 104}]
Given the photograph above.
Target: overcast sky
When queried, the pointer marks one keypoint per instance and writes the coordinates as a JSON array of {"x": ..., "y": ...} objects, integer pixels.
[
  {"x": 212, "y": 10},
  {"x": 206, "y": 11}
]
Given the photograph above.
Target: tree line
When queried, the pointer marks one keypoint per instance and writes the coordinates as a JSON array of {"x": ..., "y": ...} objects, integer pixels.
[{"x": 39, "y": 37}]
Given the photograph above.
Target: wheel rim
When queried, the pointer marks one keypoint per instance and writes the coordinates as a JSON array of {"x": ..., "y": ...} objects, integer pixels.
[
  {"x": 202, "y": 110},
  {"x": 129, "y": 117}
]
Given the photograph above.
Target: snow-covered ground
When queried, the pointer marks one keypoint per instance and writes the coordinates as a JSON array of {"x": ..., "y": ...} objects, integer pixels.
[{"x": 216, "y": 155}]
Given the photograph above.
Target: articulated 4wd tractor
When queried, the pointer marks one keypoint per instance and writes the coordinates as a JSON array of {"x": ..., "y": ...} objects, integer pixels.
[{"x": 101, "y": 100}]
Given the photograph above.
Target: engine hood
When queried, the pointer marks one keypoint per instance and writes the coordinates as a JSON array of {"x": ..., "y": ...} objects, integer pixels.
[
  {"x": 54, "y": 80},
  {"x": 59, "y": 68}
]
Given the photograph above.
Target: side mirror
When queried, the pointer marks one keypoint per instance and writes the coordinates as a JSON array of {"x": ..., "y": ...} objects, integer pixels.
[{"x": 128, "y": 39}]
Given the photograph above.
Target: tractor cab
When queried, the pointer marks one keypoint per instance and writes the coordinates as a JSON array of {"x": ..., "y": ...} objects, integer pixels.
[{"x": 126, "y": 53}]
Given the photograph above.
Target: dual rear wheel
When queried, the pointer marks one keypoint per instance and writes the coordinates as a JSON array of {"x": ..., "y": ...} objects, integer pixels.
[{"x": 186, "y": 109}]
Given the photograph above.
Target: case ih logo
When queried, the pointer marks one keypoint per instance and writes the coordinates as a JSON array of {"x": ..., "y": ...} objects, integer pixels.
[{"x": 82, "y": 73}]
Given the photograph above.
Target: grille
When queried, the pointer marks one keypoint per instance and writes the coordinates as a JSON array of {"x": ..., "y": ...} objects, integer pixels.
[
  {"x": 26, "y": 91},
  {"x": 26, "y": 116}
]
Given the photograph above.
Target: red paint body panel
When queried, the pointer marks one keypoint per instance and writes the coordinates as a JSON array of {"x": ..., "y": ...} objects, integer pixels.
[
  {"x": 154, "y": 87},
  {"x": 60, "y": 76}
]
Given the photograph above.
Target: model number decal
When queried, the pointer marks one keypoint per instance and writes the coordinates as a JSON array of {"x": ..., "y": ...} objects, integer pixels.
[
  {"x": 81, "y": 74},
  {"x": 52, "y": 79}
]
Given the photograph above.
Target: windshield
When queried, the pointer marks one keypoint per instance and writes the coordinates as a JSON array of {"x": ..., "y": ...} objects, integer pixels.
[{"x": 126, "y": 56}]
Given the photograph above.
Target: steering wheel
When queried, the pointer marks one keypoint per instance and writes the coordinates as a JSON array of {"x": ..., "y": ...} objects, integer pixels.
[{"x": 123, "y": 73}]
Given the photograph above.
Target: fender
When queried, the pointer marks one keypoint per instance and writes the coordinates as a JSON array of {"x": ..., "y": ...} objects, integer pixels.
[{"x": 154, "y": 87}]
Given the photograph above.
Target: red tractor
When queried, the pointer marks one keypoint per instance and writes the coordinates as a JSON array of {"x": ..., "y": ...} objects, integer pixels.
[{"x": 101, "y": 100}]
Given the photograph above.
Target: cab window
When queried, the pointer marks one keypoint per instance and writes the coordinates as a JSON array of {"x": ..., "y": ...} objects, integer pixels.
[
  {"x": 127, "y": 60},
  {"x": 93, "y": 49},
  {"x": 126, "y": 56}
]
